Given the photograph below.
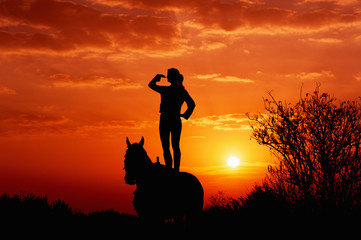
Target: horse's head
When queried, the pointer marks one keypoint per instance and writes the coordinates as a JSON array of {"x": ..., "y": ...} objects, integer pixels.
[{"x": 136, "y": 161}]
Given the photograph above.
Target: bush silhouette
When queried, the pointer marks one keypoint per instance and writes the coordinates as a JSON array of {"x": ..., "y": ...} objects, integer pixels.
[
  {"x": 32, "y": 215},
  {"x": 317, "y": 142}
]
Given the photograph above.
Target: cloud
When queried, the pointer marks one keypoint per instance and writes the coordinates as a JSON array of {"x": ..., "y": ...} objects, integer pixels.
[
  {"x": 25, "y": 124},
  {"x": 357, "y": 77},
  {"x": 219, "y": 78},
  {"x": 66, "y": 81},
  {"x": 65, "y": 26},
  {"x": 232, "y": 15},
  {"x": 47, "y": 123},
  {"x": 6, "y": 90},
  {"x": 227, "y": 122},
  {"x": 209, "y": 45},
  {"x": 207, "y": 76},
  {"x": 156, "y": 28},
  {"x": 246, "y": 170},
  {"x": 309, "y": 75},
  {"x": 111, "y": 3},
  {"x": 233, "y": 79},
  {"x": 117, "y": 124},
  {"x": 111, "y": 129},
  {"x": 335, "y": 2},
  {"x": 322, "y": 40}
]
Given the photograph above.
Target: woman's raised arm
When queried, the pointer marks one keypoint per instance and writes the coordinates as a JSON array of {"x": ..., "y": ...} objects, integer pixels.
[{"x": 153, "y": 83}]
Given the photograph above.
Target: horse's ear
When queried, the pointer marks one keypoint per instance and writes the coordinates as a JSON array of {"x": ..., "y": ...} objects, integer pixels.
[
  {"x": 141, "y": 143},
  {"x": 128, "y": 143}
]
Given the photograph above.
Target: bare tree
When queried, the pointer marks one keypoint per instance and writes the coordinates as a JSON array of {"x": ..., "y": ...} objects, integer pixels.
[{"x": 317, "y": 143}]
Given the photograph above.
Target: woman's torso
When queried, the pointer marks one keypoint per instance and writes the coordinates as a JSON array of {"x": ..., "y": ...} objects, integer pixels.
[{"x": 172, "y": 99}]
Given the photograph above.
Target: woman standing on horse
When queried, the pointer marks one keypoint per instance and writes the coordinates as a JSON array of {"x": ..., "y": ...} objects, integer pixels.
[{"x": 170, "y": 124}]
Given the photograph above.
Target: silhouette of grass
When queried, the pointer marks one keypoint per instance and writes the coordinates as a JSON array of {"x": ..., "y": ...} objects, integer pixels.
[
  {"x": 264, "y": 212},
  {"x": 32, "y": 215},
  {"x": 260, "y": 213}
]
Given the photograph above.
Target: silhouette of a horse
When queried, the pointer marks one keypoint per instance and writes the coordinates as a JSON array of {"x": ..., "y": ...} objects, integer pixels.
[{"x": 162, "y": 193}]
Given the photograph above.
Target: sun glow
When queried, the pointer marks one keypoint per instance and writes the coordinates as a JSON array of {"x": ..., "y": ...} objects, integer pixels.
[{"x": 233, "y": 161}]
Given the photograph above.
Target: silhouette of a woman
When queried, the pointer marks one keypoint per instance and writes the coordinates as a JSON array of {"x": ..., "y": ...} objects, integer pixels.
[{"x": 170, "y": 124}]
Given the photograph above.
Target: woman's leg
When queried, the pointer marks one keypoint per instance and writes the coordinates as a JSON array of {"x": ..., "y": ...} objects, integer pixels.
[
  {"x": 175, "y": 135},
  {"x": 164, "y": 132}
]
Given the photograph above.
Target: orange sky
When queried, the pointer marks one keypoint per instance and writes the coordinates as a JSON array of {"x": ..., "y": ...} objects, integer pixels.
[{"x": 74, "y": 75}]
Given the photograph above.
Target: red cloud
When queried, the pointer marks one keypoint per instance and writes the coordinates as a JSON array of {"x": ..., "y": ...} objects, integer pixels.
[
  {"x": 233, "y": 15},
  {"x": 68, "y": 26},
  {"x": 230, "y": 15},
  {"x": 318, "y": 18},
  {"x": 16, "y": 123}
]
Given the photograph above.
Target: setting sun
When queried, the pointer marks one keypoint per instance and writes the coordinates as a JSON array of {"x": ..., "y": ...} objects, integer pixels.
[{"x": 233, "y": 161}]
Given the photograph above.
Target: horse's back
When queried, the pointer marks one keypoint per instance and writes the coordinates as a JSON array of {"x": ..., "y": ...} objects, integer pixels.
[
  {"x": 183, "y": 187},
  {"x": 193, "y": 189}
]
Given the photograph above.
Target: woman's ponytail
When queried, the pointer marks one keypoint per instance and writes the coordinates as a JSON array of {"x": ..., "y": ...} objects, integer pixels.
[{"x": 180, "y": 80}]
